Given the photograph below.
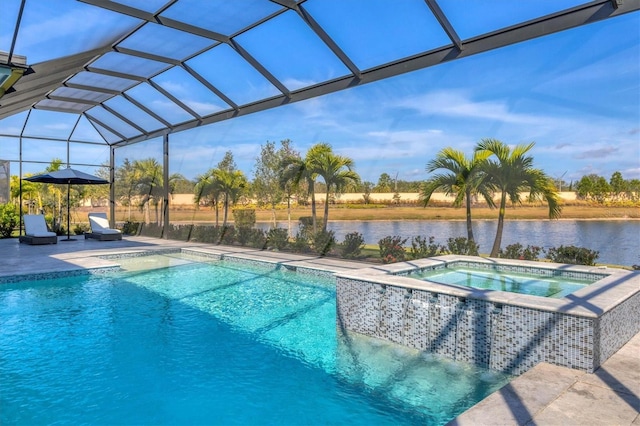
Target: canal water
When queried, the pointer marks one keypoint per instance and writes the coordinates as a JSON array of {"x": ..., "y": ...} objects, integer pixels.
[{"x": 617, "y": 241}]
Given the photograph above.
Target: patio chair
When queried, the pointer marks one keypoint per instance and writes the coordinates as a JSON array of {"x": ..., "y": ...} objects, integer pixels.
[
  {"x": 100, "y": 228},
  {"x": 36, "y": 232}
]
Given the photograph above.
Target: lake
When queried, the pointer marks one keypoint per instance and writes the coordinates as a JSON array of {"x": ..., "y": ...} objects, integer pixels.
[{"x": 618, "y": 241}]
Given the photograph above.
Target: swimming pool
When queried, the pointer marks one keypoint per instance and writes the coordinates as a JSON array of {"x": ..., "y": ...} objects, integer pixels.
[
  {"x": 211, "y": 342},
  {"x": 535, "y": 285}
]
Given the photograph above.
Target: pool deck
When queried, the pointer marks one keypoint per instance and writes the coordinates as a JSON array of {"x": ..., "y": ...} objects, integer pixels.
[{"x": 545, "y": 395}]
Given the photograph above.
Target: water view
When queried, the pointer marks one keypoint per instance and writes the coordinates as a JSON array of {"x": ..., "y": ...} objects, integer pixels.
[{"x": 617, "y": 241}]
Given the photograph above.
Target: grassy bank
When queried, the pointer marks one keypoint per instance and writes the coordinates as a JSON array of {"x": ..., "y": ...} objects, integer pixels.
[{"x": 360, "y": 212}]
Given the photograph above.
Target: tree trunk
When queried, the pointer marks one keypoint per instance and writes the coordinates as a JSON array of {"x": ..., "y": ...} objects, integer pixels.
[
  {"x": 225, "y": 206},
  {"x": 147, "y": 214},
  {"x": 326, "y": 211},
  {"x": 289, "y": 214},
  {"x": 313, "y": 206},
  {"x": 215, "y": 202},
  {"x": 498, "y": 240},
  {"x": 273, "y": 212},
  {"x": 469, "y": 226}
]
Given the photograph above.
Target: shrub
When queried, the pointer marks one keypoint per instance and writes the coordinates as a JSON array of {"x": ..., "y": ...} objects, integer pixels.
[
  {"x": 244, "y": 218},
  {"x": 243, "y": 235},
  {"x": 323, "y": 241},
  {"x": 9, "y": 219},
  {"x": 227, "y": 235},
  {"x": 179, "y": 232},
  {"x": 391, "y": 249},
  {"x": 131, "y": 228},
  {"x": 517, "y": 251},
  {"x": 462, "y": 246},
  {"x": 573, "y": 255},
  {"x": 352, "y": 245},
  {"x": 277, "y": 238},
  {"x": 80, "y": 228},
  {"x": 151, "y": 230},
  {"x": 421, "y": 249},
  {"x": 306, "y": 226},
  {"x": 205, "y": 234},
  {"x": 300, "y": 243},
  {"x": 257, "y": 238}
]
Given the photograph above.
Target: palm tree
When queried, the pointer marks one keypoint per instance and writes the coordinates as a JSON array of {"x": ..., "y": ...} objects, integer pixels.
[
  {"x": 289, "y": 177},
  {"x": 512, "y": 173},
  {"x": 232, "y": 184},
  {"x": 297, "y": 170},
  {"x": 208, "y": 187},
  {"x": 149, "y": 185},
  {"x": 336, "y": 171},
  {"x": 125, "y": 183},
  {"x": 465, "y": 178}
]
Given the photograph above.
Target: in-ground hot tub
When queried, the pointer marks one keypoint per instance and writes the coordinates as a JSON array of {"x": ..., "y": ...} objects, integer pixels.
[{"x": 505, "y": 331}]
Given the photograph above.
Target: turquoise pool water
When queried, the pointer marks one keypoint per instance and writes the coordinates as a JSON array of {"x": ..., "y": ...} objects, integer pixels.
[
  {"x": 216, "y": 343},
  {"x": 554, "y": 287}
]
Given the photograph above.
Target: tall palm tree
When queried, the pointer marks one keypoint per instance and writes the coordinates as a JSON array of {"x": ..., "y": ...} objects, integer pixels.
[
  {"x": 208, "y": 187},
  {"x": 289, "y": 177},
  {"x": 125, "y": 183},
  {"x": 464, "y": 179},
  {"x": 336, "y": 171},
  {"x": 232, "y": 184},
  {"x": 148, "y": 175},
  {"x": 511, "y": 173},
  {"x": 297, "y": 170}
]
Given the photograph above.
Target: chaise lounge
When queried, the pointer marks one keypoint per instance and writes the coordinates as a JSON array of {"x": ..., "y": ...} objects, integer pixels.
[
  {"x": 100, "y": 228},
  {"x": 36, "y": 232}
]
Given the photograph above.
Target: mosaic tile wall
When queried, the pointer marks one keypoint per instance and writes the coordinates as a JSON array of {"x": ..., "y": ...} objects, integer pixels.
[
  {"x": 618, "y": 326},
  {"x": 506, "y": 338},
  {"x": 59, "y": 274},
  {"x": 129, "y": 255},
  {"x": 259, "y": 263}
]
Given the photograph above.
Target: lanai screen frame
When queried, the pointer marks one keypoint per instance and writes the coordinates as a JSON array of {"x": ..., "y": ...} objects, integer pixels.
[{"x": 37, "y": 89}]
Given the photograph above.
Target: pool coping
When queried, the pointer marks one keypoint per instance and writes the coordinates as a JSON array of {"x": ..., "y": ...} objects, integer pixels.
[{"x": 106, "y": 261}]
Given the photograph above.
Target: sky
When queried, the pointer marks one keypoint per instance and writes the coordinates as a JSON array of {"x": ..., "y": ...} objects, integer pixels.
[{"x": 576, "y": 94}]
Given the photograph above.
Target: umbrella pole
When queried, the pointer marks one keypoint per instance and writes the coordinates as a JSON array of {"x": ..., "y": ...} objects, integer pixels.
[{"x": 68, "y": 214}]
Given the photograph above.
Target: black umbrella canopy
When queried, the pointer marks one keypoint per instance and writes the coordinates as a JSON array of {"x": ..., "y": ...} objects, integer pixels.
[{"x": 69, "y": 176}]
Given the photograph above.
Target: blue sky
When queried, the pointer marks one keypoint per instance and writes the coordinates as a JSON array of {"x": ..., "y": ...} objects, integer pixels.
[{"x": 576, "y": 94}]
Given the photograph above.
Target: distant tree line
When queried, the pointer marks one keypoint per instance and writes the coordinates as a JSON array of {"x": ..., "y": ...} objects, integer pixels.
[{"x": 597, "y": 188}]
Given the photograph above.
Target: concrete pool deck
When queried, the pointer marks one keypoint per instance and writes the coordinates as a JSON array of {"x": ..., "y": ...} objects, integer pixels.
[{"x": 545, "y": 395}]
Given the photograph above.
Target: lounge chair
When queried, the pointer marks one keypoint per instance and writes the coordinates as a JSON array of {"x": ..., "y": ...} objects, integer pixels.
[
  {"x": 36, "y": 232},
  {"x": 100, "y": 228}
]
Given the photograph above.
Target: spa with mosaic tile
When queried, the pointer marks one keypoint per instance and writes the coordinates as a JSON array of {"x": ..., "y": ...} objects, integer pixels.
[{"x": 507, "y": 332}]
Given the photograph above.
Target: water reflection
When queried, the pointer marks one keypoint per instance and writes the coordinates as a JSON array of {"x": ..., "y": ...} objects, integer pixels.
[{"x": 617, "y": 241}]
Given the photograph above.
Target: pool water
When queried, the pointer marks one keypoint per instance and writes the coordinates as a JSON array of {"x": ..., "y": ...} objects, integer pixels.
[
  {"x": 211, "y": 343},
  {"x": 554, "y": 287}
]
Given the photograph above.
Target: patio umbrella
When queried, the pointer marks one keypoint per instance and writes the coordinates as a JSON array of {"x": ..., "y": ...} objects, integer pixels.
[{"x": 70, "y": 177}]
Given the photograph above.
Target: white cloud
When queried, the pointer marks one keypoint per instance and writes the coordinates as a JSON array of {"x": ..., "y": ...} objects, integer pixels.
[
  {"x": 175, "y": 88},
  {"x": 57, "y": 126},
  {"x": 203, "y": 107},
  {"x": 294, "y": 83},
  {"x": 460, "y": 104}
]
